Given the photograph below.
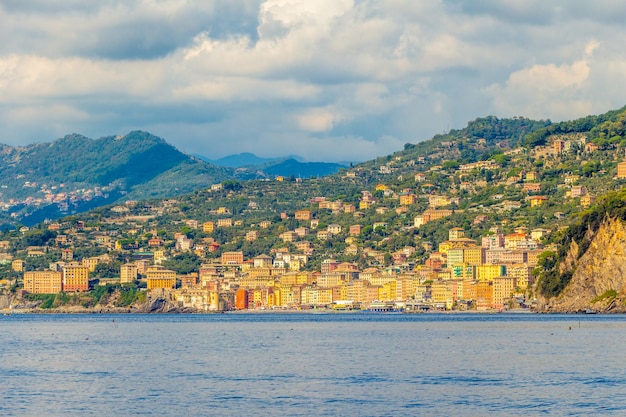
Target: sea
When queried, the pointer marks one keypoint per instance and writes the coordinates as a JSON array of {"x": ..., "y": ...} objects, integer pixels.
[{"x": 306, "y": 364}]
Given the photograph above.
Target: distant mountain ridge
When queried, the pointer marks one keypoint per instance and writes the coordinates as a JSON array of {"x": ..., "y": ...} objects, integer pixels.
[
  {"x": 240, "y": 160},
  {"x": 76, "y": 173},
  {"x": 291, "y": 165}
]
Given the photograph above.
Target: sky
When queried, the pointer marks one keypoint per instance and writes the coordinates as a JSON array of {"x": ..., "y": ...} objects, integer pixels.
[{"x": 328, "y": 80}]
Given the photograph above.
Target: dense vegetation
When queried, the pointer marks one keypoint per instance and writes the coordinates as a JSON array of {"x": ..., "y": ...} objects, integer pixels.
[
  {"x": 605, "y": 129},
  {"x": 121, "y": 295}
]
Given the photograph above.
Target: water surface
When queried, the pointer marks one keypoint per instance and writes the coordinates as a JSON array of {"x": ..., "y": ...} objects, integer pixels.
[{"x": 312, "y": 364}]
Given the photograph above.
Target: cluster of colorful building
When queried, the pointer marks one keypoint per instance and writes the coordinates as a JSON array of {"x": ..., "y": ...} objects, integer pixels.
[{"x": 460, "y": 274}]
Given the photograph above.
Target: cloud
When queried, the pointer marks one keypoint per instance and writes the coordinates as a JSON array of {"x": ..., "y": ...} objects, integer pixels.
[
  {"x": 551, "y": 91},
  {"x": 317, "y": 120},
  {"x": 336, "y": 79}
]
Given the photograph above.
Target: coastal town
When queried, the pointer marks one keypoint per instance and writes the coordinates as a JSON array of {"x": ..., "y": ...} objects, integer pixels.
[{"x": 403, "y": 243}]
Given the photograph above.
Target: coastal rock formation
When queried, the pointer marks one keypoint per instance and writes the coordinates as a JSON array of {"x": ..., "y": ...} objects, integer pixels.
[
  {"x": 156, "y": 302},
  {"x": 598, "y": 282}
]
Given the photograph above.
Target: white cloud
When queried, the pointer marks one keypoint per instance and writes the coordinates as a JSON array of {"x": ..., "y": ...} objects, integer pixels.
[
  {"x": 220, "y": 77},
  {"x": 549, "y": 91},
  {"x": 317, "y": 120}
]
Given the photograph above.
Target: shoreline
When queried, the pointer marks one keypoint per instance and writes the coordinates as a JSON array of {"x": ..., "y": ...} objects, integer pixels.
[{"x": 135, "y": 311}]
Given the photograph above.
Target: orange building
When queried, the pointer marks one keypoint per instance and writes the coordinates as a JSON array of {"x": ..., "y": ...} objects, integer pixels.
[
  {"x": 558, "y": 146},
  {"x": 232, "y": 258},
  {"x": 241, "y": 299},
  {"x": 355, "y": 229},
  {"x": 484, "y": 295},
  {"x": 503, "y": 288}
]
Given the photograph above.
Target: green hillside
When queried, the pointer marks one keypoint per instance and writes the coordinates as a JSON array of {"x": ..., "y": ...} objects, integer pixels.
[
  {"x": 492, "y": 176},
  {"x": 76, "y": 173}
]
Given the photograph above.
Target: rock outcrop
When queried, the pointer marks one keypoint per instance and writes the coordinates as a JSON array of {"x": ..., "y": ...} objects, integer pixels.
[
  {"x": 158, "y": 301},
  {"x": 598, "y": 282}
]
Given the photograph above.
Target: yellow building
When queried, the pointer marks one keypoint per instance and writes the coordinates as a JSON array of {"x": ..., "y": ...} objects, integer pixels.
[
  {"x": 364, "y": 204},
  {"x": 303, "y": 215},
  {"x": 289, "y": 295},
  {"x": 587, "y": 200},
  {"x": 438, "y": 201},
  {"x": 522, "y": 274},
  {"x": 537, "y": 200},
  {"x": 159, "y": 256},
  {"x": 468, "y": 291},
  {"x": 43, "y": 282},
  {"x": 90, "y": 263},
  {"x": 407, "y": 199},
  {"x": 159, "y": 277},
  {"x": 621, "y": 170},
  {"x": 455, "y": 256},
  {"x": 490, "y": 272},
  {"x": 387, "y": 291},
  {"x": 441, "y": 293},
  {"x": 463, "y": 272},
  {"x": 463, "y": 242},
  {"x": 18, "y": 265},
  {"x": 474, "y": 255},
  {"x": 128, "y": 273},
  {"x": 274, "y": 297},
  {"x": 75, "y": 278},
  {"x": 208, "y": 227},
  {"x": 456, "y": 233},
  {"x": 444, "y": 274},
  {"x": 252, "y": 235},
  {"x": 316, "y": 296}
]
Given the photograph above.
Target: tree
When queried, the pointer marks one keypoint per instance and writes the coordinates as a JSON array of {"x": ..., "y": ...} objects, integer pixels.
[
  {"x": 232, "y": 185},
  {"x": 184, "y": 263}
]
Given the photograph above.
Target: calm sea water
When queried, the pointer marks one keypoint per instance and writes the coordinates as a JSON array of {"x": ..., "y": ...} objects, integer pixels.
[{"x": 310, "y": 364}]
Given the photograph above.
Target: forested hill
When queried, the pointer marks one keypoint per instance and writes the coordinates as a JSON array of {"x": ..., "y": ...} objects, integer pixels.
[
  {"x": 76, "y": 171},
  {"x": 481, "y": 140}
]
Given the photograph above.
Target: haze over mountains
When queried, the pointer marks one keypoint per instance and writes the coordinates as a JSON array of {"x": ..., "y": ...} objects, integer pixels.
[{"x": 291, "y": 165}]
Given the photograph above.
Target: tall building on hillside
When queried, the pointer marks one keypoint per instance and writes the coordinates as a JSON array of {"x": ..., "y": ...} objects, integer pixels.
[
  {"x": 43, "y": 282},
  {"x": 159, "y": 277},
  {"x": 18, "y": 265},
  {"x": 232, "y": 258},
  {"x": 75, "y": 278},
  {"x": 128, "y": 273}
]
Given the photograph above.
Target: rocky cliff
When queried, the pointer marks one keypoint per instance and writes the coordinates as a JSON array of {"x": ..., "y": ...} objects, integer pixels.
[
  {"x": 598, "y": 282},
  {"x": 155, "y": 302}
]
